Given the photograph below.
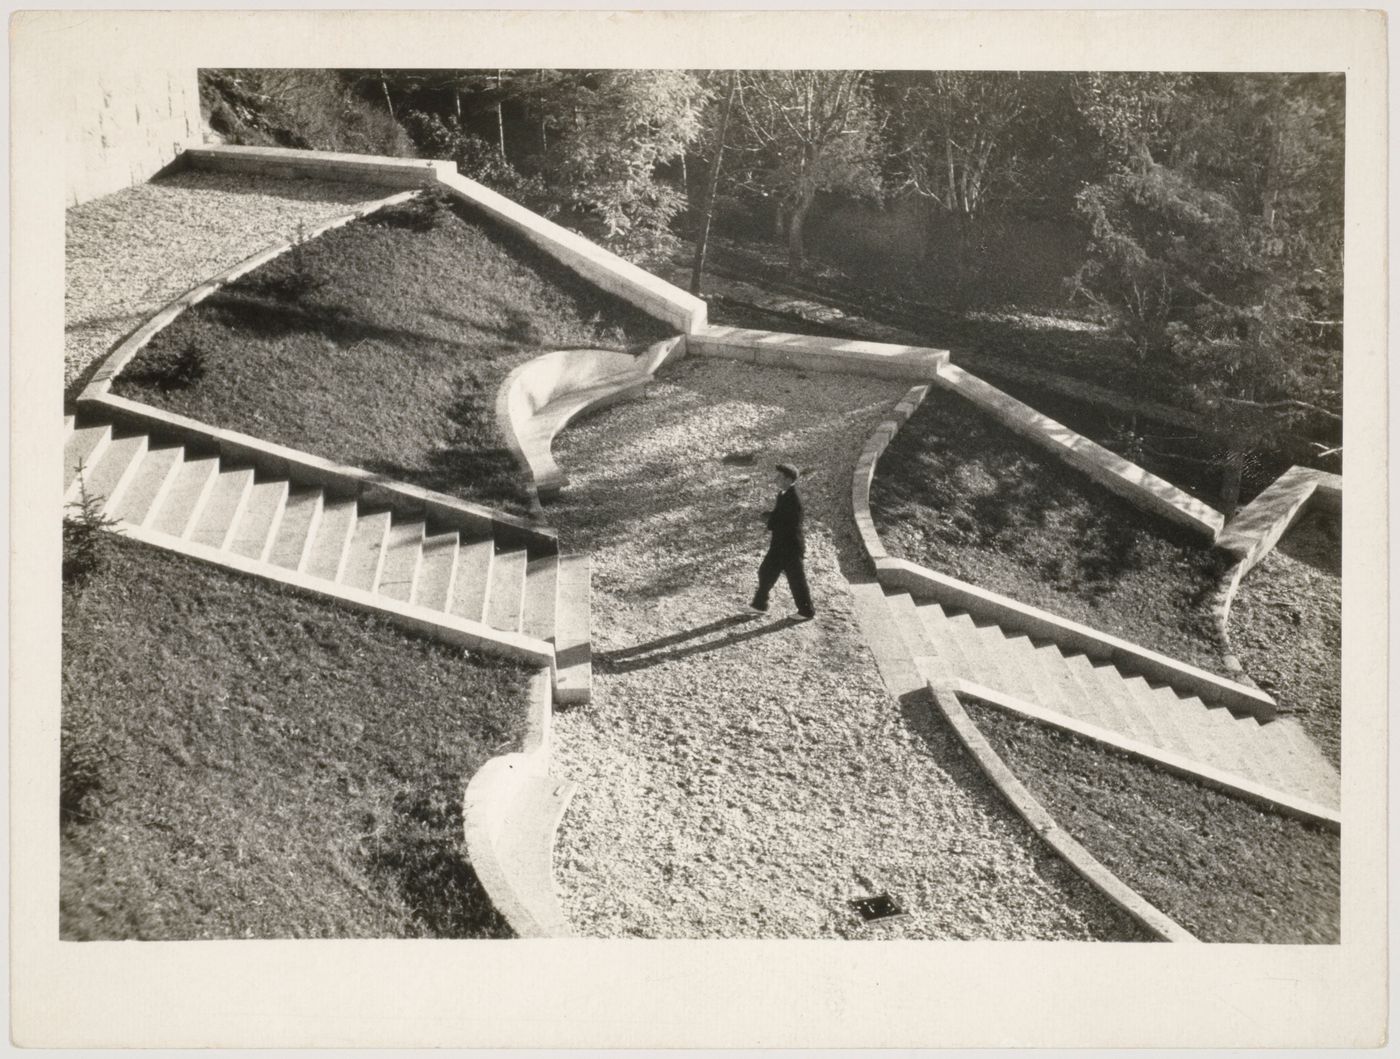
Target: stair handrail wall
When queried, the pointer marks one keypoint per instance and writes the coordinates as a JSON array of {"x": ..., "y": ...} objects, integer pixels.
[{"x": 1012, "y": 614}]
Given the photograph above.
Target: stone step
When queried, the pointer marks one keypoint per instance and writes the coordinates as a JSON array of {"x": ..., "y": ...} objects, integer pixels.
[
  {"x": 1196, "y": 732},
  {"x": 107, "y": 475},
  {"x": 184, "y": 497},
  {"x": 1119, "y": 709},
  {"x": 1147, "y": 712},
  {"x": 223, "y": 508},
  {"x": 573, "y": 649},
  {"x": 998, "y": 669},
  {"x": 364, "y": 555},
  {"x": 403, "y": 551},
  {"x": 541, "y": 597},
  {"x": 1080, "y": 674},
  {"x": 297, "y": 528},
  {"x": 472, "y": 580},
  {"x": 944, "y": 639},
  {"x": 1057, "y": 689},
  {"x": 153, "y": 478},
  {"x": 432, "y": 587},
  {"x": 256, "y": 530},
  {"x": 506, "y": 597},
  {"x": 912, "y": 636},
  {"x": 326, "y": 558},
  {"x": 83, "y": 447}
]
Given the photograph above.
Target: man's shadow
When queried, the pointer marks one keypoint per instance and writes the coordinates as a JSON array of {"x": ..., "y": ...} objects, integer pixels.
[{"x": 652, "y": 652}]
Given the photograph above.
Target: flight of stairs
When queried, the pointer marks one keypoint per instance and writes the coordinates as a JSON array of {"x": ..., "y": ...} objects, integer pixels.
[
  {"x": 164, "y": 493},
  {"x": 1276, "y": 754}
]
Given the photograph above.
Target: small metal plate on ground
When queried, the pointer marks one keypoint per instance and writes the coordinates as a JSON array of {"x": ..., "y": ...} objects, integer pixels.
[{"x": 881, "y": 906}]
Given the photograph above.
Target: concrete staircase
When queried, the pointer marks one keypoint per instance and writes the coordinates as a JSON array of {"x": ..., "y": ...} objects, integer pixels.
[
  {"x": 434, "y": 578},
  {"x": 1040, "y": 679}
]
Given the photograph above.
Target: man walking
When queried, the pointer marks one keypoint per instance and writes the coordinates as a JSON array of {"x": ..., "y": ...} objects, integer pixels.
[{"x": 786, "y": 546}]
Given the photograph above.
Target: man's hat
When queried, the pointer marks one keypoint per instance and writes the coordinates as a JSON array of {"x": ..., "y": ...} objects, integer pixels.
[{"x": 789, "y": 470}]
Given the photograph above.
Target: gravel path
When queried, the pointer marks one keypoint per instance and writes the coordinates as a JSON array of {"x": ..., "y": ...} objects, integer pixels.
[
  {"x": 746, "y": 777},
  {"x": 131, "y": 252}
]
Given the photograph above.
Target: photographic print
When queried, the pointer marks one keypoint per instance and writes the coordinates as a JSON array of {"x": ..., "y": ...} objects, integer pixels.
[{"x": 610, "y": 502}]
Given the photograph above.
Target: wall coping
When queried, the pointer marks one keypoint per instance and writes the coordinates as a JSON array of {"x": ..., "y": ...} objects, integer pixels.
[
  {"x": 601, "y": 267},
  {"x": 437, "y": 625},
  {"x": 1107, "y": 468},
  {"x": 778, "y": 348},
  {"x": 1089, "y": 867},
  {"x": 368, "y": 168},
  {"x": 339, "y": 478},
  {"x": 1021, "y": 617}
]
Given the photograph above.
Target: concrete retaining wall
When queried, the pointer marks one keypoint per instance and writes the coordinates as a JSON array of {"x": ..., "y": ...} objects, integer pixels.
[
  {"x": 777, "y": 349},
  {"x": 652, "y": 295},
  {"x": 125, "y": 123},
  {"x": 540, "y": 397},
  {"x": 287, "y": 163},
  {"x": 510, "y": 812},
  {"x": 1108, "y": 469}
]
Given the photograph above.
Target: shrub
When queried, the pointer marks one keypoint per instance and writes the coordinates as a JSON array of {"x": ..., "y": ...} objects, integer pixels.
[{"x": 86, "y": 546}]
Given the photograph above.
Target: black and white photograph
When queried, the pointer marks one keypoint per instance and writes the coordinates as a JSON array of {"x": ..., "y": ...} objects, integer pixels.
[{"x": 782, "y": 501}]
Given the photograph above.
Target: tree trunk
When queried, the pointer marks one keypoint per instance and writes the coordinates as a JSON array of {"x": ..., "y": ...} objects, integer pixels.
[
  {"x": 500, "y": 117},
  {"x": 457, "y": 105},
  {"x": 1230, "y": 478},
  {"x": 703, "y": 239},
  {"x": 388, "y": 99},
  {"x": 797, "y": 252}
]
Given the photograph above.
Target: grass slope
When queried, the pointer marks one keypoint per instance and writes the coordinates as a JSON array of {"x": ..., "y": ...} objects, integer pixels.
[
  {"x": 382, "y": 345},
  {"x": 957, "y": 492},
  {"x": 267, "y": 765},
  {"x": 1223, "y": 868},
  {"x": 1286, "y": 627}
]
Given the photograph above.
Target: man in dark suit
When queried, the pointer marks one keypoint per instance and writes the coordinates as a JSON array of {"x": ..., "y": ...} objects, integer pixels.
[{"x": 786, "y": 546}]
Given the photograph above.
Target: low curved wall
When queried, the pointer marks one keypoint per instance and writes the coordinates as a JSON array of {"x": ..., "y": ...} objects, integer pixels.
[
  {"x": 542, "y": 396},
  {"x": 510, "y": 812}
]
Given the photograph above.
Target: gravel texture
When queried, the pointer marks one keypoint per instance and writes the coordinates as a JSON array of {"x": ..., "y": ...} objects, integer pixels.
[
  {"x": 1286, "y": 627},
  {"x": 747, "y": 777},
  {"x": 131, "y": 252}
]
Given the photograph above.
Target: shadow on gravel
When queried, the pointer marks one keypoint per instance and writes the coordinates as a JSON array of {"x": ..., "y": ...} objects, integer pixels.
[{"x": 646, "y": 655}]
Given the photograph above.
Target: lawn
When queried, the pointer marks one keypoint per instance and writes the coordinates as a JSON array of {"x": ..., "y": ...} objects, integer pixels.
[
  {"x": 242, "y": 761},
  {"x": 957, "y": 492},
  {"x": 382, "y": 345},
  {"x": 1224, "y": 868}
]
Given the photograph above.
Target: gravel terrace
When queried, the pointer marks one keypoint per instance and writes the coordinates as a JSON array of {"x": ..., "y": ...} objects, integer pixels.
[
  {"x": 131, "y": 252},
  {"x": 746, "y": 776}
]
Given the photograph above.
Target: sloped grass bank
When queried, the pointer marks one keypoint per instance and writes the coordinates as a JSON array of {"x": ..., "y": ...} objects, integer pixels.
[
  {"x": 241, "y": 761},
  {"x": 1223, "y": 868},
  {"x": 382, "y": 345},
  {"x": 1286, "y": 627},
  {"x": 957, "y": 492}
]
